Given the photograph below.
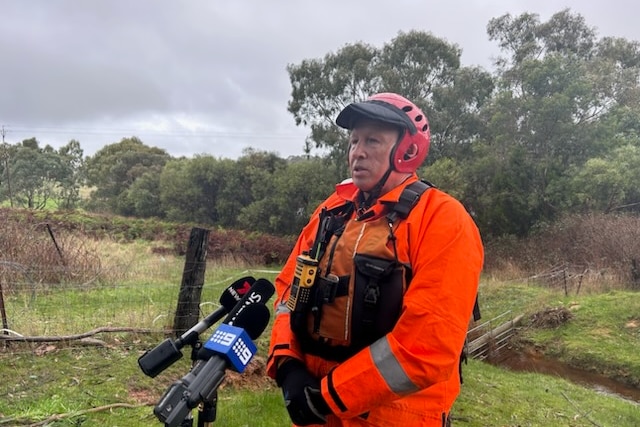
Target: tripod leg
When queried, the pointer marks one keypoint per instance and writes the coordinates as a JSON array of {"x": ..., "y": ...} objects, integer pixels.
[{"x": 207, "y": 411}]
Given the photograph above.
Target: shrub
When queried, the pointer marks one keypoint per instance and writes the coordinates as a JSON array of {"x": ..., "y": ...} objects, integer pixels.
[{"x": 576, "y": 248}]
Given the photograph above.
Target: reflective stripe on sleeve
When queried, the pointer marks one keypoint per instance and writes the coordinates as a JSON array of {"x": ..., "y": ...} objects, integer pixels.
[
  {"x": 390, "y": 369},
  {"x": 282, "y": 308}
]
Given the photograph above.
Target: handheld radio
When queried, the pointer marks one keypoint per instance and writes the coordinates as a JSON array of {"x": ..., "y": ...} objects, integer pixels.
[{"x": 303, "y": 279}]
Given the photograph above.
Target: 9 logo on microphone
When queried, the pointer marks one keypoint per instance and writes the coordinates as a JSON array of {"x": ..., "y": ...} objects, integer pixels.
[
  {"x": 233, "y": 344},
  {"x": 223, "y": 338}
]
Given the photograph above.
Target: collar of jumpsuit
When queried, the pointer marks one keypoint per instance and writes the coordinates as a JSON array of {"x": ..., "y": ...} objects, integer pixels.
[{"x": 348, "y": 191}]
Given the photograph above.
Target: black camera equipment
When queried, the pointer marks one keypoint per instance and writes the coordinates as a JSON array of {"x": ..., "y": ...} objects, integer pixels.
[
  {"x": 244, "y": 303},
  {"x": 230, "y": 346},
  {"x": 168, "y": 352}
]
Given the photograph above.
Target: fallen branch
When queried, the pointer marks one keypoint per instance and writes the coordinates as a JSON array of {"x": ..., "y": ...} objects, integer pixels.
[
  {"x": 73, "y": 337},
  {"x": 58, "y": 417}
]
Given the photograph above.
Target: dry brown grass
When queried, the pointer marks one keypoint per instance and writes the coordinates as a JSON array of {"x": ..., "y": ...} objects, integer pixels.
[
  {"x": 37, "y": 254},
  {"x": 579, "y": 253}
]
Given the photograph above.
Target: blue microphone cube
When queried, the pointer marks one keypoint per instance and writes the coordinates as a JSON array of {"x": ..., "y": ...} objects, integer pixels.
[{"x": 234, "y": 344}]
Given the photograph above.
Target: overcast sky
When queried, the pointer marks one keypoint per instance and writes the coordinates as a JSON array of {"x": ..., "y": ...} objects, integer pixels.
[{"x": 207, "y": 76}]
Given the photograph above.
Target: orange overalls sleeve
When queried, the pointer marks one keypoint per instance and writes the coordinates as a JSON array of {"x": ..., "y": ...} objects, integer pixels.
[
  {"x": 424, "y": 347},
  {"x": 283, "y": 341}
]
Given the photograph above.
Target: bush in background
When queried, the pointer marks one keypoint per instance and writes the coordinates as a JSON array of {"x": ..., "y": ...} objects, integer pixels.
[
  {"x": 35, "y": 254},
  {"x": 574, "y": 251},
  {"x": 51, "y": 246}
]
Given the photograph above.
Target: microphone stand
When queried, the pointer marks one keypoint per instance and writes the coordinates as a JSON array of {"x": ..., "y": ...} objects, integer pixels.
[
  {"x": 165, "y": 354},
  {"x": 208, "y": 409}
]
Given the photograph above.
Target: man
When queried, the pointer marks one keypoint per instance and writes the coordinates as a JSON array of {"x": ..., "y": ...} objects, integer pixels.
[{"x": 374, "y": 302}]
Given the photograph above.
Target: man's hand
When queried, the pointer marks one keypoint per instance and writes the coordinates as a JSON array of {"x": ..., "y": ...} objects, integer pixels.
[{"x": 302, "y": 396}]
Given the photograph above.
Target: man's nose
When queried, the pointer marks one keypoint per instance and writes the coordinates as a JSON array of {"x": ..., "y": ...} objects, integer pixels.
[{"x": 358, "y": 150}]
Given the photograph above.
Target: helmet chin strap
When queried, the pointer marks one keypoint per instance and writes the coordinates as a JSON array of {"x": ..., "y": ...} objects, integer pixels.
[{"x": 374, "y": 193}]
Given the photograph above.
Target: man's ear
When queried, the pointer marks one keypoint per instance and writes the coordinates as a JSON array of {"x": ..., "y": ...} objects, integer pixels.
[{"x": 411, "y": 152}]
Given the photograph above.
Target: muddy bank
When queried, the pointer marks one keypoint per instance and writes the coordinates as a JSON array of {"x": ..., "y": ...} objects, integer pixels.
[{"x": 530, "y": 360}]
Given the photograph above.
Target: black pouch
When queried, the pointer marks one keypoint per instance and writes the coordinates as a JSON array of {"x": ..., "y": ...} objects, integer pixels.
[
  {"x": 379, "y": 286},
  {"x": 298, "y": 320}
]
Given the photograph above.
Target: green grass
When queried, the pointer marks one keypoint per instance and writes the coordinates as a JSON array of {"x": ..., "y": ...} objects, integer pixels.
[
  {"x": 42, "y": 380},
  {"x": 603, "y": 335},
  {"x": 495, "y": 397},
  {"x": 72, "y": 381},
  {"x": 496, "y": 298}
]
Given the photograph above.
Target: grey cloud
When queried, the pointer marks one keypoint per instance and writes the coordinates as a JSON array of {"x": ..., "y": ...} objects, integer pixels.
[{"x": 108, "y": 66}]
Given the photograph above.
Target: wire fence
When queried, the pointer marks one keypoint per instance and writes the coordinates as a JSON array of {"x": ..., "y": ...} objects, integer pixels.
[{"x": 133, "y": 304}]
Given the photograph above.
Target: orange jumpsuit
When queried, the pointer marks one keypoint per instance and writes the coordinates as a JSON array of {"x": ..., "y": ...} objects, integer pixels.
[{"x": 409, "y": 377}]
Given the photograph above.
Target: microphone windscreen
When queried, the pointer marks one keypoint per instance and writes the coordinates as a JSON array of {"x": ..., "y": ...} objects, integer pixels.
[
  {"x": 235, "y": 292},
  {"x": 264, "y": 288},
  {"x": 259, "y": 293},
  {"x": 254, "y": 320}
]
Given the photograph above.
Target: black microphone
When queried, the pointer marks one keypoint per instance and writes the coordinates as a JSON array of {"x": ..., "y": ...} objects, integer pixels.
[
  {"x": 259, "y": 293},
  {"x": 245, "y": 309},
  {"x": 156, "y": 360},
  {"x": 230, "y": 346},
  {"x": 228, "y": 301}
]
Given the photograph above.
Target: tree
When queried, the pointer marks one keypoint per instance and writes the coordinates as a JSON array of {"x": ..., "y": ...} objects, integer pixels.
[
  {"x": 426, "y": 70},
  {"x": 115, "y": 167},
  {"x": 72, "y": 157},
  {"x": 322, "y": 88},
  {"x": 246, "y": 180},
  {"x": 418, "y": 65},
  {"x": 36, "y": 173},
  {"x": 292, "y": 193},
  {"x": 414, "y": 64},
  {"x": 189, "y": 188},
  {"x": 456, "y": 114},
  {"x": 557, "y": 87},
  {"x": 142, "y": 198},
  {"x": 7, "y": 152},
  {"x": 609, "y": 183}
]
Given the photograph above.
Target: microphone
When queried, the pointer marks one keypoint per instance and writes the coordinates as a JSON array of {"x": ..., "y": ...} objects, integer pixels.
[
  {"x": 259, "y": 293},
  {"x": 228, "y": 301},
  {"x": 230, "y": 346},
  {"x": 154, "y": 361}
]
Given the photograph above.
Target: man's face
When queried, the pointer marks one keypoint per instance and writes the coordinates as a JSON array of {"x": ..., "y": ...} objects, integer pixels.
[{"x": 370, "y": 145}]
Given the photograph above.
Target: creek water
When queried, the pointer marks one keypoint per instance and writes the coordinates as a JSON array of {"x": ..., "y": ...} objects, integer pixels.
[{"x": 530, "y": 361}]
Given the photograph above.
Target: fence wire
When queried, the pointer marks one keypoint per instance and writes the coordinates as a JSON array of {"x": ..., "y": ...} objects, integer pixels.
[{"x": 132, "y": 307}]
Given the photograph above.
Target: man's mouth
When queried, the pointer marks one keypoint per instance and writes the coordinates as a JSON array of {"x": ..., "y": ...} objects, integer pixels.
[{"x": 358, "y": 169}]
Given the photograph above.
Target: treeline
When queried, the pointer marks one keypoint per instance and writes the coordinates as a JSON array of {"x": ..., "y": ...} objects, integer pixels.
[
  {"x": 257, "y": 192},
  {"x": 553, "y": 129}
]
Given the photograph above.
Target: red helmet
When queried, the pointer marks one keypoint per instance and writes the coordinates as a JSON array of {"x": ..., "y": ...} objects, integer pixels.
[{"x": 396, "y": 110}]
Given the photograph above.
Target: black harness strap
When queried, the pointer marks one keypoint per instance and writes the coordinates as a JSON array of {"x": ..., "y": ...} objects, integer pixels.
[
  {"x": 408, "y": 199},
  {"x": 401, "y": 209}
]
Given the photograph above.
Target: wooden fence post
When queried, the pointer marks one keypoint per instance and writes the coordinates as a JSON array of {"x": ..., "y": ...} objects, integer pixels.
[
  {"x": 188, "y": 309},
  {"x": 3, "y": 313}
]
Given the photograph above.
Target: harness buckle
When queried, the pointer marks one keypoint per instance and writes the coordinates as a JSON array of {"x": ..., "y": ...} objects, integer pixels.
[{"x": 371, "y": 295}]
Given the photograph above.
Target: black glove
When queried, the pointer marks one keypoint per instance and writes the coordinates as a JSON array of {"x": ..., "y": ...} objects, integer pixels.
[{"x": 302, "y": 396}]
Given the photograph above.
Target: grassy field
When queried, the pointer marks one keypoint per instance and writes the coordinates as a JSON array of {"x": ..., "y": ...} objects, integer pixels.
[{"x": 100, "y": 383}]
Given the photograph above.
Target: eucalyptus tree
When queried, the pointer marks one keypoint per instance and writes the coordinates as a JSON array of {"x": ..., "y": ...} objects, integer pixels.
[
  {"x": 321, "y": 88},
  {"x": 427, "y": 70},
  {"x": 418, "y": 65},
  {"x": 558, "y": 84},
  {"x": 114, "y": 168},
  {"x": 72, "y": 157},
  {"x": 36, "y": 174}
]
